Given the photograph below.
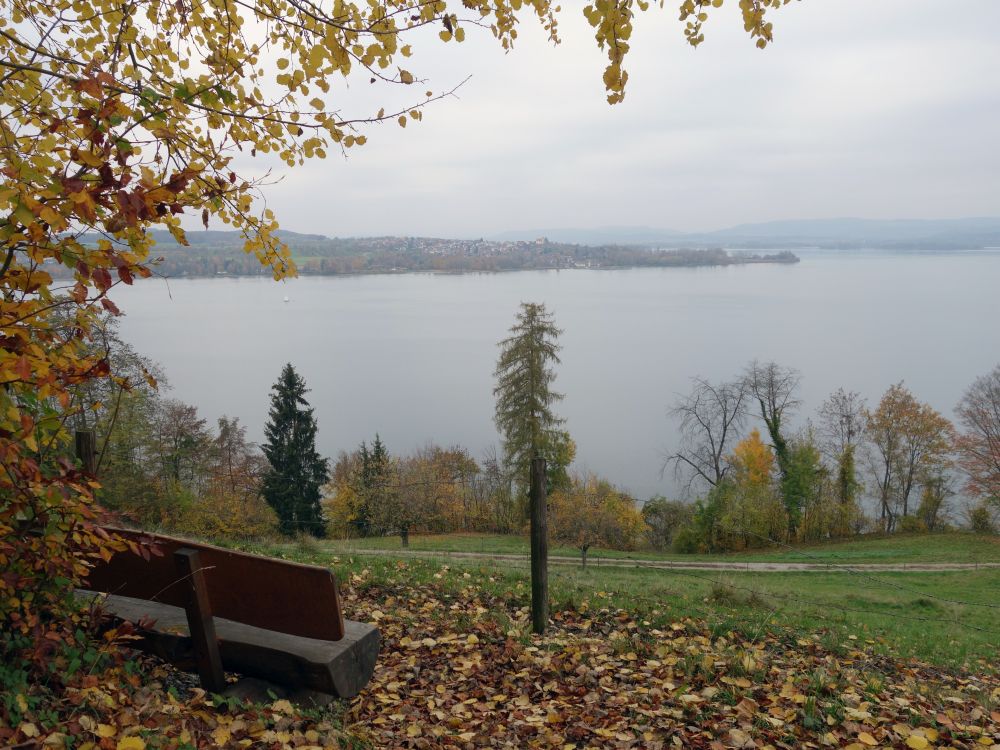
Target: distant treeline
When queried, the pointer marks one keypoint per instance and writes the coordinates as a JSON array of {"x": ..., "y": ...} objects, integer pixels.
[{"x": 221, "y": 253}]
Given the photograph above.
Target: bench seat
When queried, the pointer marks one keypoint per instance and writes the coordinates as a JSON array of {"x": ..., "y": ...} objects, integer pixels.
[
  {"x": 340, "y": 668},
  {"x": 218, "y": 610}
]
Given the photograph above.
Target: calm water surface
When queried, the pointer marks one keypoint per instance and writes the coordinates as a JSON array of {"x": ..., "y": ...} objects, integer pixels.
[{"x": 411, "y": 356}]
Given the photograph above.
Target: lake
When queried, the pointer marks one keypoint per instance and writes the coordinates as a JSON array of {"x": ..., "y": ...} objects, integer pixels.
[{"x": 412, "y": 356}]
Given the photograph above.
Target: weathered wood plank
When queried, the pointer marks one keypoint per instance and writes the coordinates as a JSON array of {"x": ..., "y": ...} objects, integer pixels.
[{"x": 198, "y": 610}]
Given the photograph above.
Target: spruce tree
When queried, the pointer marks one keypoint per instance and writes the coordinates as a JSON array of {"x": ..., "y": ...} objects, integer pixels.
[
  {"x": 371, "y": 483},
  {"x": 296, "y": 471}
]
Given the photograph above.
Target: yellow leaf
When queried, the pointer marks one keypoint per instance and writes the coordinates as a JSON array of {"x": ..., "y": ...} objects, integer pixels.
[
  {"x": 91, "y": 159},
  {"x": 105, "y": 730},
  {"x": 29, "y": 730},
  {"x": 131, "y": 743},
  {"x": 917, "y": 742},
  {"x": 867, "y": 739},
  {"x": 220, "y": 736}
]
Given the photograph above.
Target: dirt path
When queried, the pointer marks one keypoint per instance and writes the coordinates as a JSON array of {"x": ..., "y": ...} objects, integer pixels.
[{"x": 755, "y": 567}]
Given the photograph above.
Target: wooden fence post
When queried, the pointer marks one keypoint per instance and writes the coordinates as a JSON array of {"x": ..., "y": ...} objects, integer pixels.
[
  {"x": 539, "y": 548},
  {"x": 86, "y": 450}
]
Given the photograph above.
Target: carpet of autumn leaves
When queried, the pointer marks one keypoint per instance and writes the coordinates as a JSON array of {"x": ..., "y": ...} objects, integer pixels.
[
  {"x": 143, "y": 704},
  {"x": 459, "y": 669}
]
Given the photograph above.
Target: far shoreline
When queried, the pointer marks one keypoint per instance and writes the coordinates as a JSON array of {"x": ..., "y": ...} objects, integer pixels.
[{"x": 790, "y": 259}]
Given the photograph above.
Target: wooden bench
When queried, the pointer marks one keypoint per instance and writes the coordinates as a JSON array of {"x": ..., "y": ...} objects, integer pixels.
[{"x": 213, "y": 608}]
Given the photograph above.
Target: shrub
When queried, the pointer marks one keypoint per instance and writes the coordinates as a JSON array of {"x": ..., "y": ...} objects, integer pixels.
[
  {"x": 912, "y": 525},
  {"x": 664, "y": 518},
  {"x": 686, "y": 541},
  {"x": 981, "y": 520},
  {"x": 219, "y": 515}
]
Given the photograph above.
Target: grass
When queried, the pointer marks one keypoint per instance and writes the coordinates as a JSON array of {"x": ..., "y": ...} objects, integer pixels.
[
  {"x": 896, "y": 549},
  {"x": 900, "y": 614}
]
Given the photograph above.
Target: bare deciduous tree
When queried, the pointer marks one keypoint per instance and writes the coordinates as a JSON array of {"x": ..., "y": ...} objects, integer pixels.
[
  {"x": 841, "y": 421},
  {"x": 979, "y": 445},
  {"x": 711, "y": 417}
]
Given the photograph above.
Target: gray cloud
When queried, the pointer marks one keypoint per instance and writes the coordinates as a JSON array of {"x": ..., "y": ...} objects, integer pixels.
[{"x": 888, "y": 109}]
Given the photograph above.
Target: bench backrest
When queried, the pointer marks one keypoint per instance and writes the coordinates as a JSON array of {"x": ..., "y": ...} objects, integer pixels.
[{"x": 272, "y": 594}]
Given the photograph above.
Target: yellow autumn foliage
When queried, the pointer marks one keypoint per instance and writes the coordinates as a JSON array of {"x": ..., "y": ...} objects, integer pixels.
[{"x": 752, "y": 460}]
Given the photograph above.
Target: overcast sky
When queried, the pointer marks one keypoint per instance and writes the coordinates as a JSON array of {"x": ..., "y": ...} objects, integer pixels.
[{"x": 886, "y": 109}]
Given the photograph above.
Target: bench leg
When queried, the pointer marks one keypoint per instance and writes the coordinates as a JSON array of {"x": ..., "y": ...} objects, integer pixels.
[{"x": 200, "y": 623}]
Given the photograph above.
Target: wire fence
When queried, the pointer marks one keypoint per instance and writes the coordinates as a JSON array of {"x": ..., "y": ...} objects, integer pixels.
[
  {"x": 723, "y": 581},
  {"x": 485, "y": 550}
]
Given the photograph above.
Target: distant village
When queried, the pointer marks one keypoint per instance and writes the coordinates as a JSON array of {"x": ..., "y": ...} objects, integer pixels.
[{"x": 213, "y": 253}]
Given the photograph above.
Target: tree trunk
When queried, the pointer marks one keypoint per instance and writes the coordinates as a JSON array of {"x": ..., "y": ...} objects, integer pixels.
[
  {"x": 583, "y": 555},
  {"x": 86, "y": 450},
  {"x": 539, "y": 548},
  {"x": 404, "y": 534}
]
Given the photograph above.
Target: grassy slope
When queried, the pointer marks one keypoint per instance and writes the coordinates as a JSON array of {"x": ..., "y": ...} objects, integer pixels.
[
  {"x": 903, "y": 613},
  {"x": 951, "y": 547}
]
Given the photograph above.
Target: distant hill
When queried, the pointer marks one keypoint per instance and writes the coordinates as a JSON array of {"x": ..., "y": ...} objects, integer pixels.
[
  {"x": 890, "y": 233},
  {"x": 203, "y": 237},
  {"x": 611, "y": 235},
  {"x": 917, "y": 234}
]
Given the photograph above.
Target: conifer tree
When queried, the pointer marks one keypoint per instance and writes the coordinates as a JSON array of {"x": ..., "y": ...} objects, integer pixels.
[
  {"x": 296, "y": 471},
  {"x": 372, "y": 483},
  {"x": 524, "y": 396}
]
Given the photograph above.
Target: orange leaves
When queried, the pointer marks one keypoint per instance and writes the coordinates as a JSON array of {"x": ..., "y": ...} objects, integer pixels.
[
  {"x": 84, "y": 206},
  {"x": 101, "y": 279},
  {"x": 458, "y": 667},
  {"x": 95, "y": 83},
  {"x": 22, "y": 368}
]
